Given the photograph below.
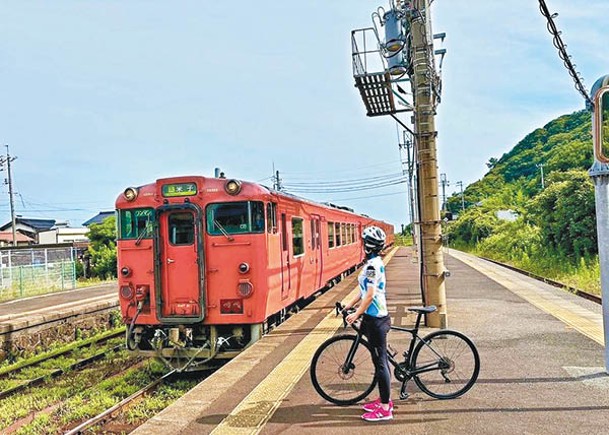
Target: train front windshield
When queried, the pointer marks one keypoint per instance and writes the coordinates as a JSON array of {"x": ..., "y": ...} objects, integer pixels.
[
  {"x": 235, "y": 218},
  {"x": 135, "y": 223}
]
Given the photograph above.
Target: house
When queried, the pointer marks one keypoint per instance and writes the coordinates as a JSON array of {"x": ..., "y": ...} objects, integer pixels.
[
  {"x": 29, "y": 227},
  {"x": 63, "y": 234},
  {"x": 99, "y": 218},
  {"x": 6, "y": 239}
]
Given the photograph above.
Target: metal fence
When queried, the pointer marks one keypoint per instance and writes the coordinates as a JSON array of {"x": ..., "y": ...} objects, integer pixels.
[{"x": 32, "y": 271}]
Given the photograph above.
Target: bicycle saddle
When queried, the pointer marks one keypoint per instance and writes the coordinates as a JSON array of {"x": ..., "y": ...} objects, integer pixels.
[{"x": 429, "y": 309}]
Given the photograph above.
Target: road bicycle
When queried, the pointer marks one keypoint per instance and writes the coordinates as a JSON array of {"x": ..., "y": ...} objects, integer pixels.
[{"x": 444, "y": 364}]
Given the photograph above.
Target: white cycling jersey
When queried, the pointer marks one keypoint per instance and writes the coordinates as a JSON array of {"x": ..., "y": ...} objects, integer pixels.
[{"x": 373, "y": 274}]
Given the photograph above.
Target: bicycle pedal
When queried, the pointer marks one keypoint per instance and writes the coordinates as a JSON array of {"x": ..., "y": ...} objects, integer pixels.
[{"x": 404, "y": 395}]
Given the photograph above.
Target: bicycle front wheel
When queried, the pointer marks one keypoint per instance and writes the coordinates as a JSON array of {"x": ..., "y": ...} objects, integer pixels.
[
  {"x": 446, "y": 364},
  {"x": 334, "y": 380}
]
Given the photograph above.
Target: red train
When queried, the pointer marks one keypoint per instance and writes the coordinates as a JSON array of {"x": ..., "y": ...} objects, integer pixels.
[{"x": 206, "y": 265}]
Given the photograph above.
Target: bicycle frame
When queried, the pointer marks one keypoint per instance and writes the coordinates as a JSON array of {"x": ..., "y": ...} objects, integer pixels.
[{"x": 402, "y": 371}]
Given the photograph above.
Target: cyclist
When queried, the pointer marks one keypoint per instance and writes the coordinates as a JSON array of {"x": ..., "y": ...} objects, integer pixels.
[{"x": 375, "y": 321}]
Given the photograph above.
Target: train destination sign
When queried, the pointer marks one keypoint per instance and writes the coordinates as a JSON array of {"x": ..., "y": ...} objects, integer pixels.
[{"x": 180, "y": 189}]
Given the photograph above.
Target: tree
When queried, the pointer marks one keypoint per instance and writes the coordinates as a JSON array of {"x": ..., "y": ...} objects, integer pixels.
[
  {"x": 491, "y": 162},
  {"x": 103, "y": 248},
  {"x": 565, "y": 213}
]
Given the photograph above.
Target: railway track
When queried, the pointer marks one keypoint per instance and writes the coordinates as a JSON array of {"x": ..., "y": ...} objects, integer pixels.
[
  {"x": 576, "y": 291},
  {"x": 108, "y": 414},
  {"x": 11, "y": 371}
]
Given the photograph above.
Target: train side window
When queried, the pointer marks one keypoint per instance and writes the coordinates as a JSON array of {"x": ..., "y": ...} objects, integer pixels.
[
  {"x": 297, "y": 236},
  {"x": 271, "y": 217},
  {"x": 181, "y": 228},
  {"x": 330, "y": 234},
  {"x": 338, "y": 235},
  {"x": 351, "y": 233},
  {"x": 284, "y": 233},
  {"x": 343, "y": 234}
]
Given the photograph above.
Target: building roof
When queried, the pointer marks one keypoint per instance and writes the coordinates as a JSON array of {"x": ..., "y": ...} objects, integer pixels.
[
  {"x": 36, "y": 224},
  {"x": 7, "y": 236},
  {"x": 99, "y": 218}
]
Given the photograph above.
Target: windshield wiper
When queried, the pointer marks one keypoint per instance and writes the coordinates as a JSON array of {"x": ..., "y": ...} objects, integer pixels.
[
  {"x": 141, "y": 236},
  {"x": 223, "y": 231}
]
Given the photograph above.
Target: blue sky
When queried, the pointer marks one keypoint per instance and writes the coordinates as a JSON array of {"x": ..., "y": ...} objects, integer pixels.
[{"x": 101, "y": 95}]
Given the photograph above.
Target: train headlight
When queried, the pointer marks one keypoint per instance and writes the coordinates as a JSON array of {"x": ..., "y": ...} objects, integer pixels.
[
  {"x": 245, "y": 288},
  {"x": 244, "y": 268},
  {"x": 232, "y": 187},
  {"x": 125, "y": 271},
  {"x": 130, "y": 193},
  {"x": 126, "y": 292}
]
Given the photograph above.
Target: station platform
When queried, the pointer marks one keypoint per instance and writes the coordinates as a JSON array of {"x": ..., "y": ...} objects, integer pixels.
[
  {"x": 38, "y": 320},
  {"x": 541, "y": 365},
  {"x": 25, "y": 312}
]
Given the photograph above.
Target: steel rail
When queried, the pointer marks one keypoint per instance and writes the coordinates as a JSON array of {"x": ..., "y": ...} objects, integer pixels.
[
  {"x": 58, "y": 372},
  {"x": 89, "y": 342},
  {"x": 107, "y": 414}
]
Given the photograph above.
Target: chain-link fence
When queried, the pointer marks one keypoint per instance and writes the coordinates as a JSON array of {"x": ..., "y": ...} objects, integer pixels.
[{"x": 32, "y": 271}]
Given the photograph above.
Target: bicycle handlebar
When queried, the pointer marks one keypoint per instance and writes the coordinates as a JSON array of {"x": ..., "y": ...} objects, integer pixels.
[{"x": 340, "y": 309}]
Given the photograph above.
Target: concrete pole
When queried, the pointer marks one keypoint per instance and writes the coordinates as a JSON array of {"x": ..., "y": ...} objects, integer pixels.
[
  {"x": 424, "y": 102},
  {"x": 543, "y": 184},
  {"x": 460, "y": 184},
  {"x": 411, "y": 193},
  {"x": 600, "y": 177},
  {"x": 445, "y": 183},
  {"x": 9, "y": 159}
]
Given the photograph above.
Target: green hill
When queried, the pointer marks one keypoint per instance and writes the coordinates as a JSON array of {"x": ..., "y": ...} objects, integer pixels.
[{"x": 554, "y": 233}]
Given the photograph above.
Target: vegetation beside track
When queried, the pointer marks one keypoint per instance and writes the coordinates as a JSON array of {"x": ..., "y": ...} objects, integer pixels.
[{"x": 65, "y": 405}]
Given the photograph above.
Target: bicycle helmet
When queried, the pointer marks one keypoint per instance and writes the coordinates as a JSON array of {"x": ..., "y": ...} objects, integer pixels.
[{"x": 374, "y": 239}]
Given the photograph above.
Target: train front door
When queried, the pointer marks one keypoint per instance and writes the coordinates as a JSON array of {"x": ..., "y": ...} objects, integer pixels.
[
  {"x": 179, "y": 274},
  {"x": 316, "y": 254}
]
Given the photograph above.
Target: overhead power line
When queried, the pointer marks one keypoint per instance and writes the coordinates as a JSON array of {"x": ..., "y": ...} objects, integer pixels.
[
  {"x": 562, "y": 51},
  {"x": 345, "y": 189},
  {"x": 343, "y": 183}
]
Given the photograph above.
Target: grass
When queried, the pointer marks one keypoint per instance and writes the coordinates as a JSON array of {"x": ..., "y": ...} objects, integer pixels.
[
  {"x": 88, "y": 402},
  {"x": 54, "y": 349},
  {"x": 34, "y": 399},
  {"x": 583, "y": 274}
]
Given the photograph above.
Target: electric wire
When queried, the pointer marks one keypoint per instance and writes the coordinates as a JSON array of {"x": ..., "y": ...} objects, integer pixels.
[
  {"x": 346, "y": 189},
  {"x": 562, "y": 51},
  {"x": 344, "y": 183}
]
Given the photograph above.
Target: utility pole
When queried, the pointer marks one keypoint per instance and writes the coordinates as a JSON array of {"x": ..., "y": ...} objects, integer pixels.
[
  {"x": 408, "y": 147},
  {"x": 407, "y": 55},
  {"x": 460, "y": 184},
  {"x": 444, "y": 183},
  {"x": 424, "y": 80},
  {"x": 540, "y": 166},
  {"x": 8, "y": 160},
  {"x": 277, "y": 181}
]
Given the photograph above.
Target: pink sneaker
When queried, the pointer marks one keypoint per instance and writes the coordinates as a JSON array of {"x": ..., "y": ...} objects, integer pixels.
[
  {"x": 378, "y": 414},
  {"x": 372, "y": 406}
]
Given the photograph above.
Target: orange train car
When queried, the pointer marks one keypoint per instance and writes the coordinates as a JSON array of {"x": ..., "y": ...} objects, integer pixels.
[{"x": 206, "y": 265}]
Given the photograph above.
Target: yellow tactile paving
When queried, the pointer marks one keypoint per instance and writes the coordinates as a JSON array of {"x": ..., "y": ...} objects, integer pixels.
[
  {"x": 585, "y": 321},
  {"x": 257, "y": 408}
]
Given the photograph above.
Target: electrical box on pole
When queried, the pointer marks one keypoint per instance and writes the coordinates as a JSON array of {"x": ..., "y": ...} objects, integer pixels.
[{"x": 600, "y": 177}]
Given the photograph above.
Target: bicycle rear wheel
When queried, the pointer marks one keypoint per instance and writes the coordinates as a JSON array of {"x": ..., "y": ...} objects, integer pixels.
[
  {"x": 332, "y": 382},
  {"x": 451, "y": 363}
]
